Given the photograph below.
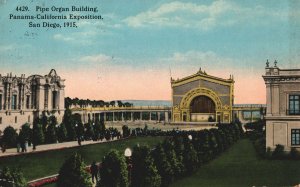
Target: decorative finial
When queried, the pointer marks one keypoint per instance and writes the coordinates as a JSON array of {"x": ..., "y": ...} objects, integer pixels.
[
  {"x": 267, "y": 63},
  {"x": 275, "y": 64},
  {"x": 200, "y": 71}
]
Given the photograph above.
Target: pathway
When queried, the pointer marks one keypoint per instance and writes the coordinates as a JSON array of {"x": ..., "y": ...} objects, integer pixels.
[{"x": 46, "y": 147}]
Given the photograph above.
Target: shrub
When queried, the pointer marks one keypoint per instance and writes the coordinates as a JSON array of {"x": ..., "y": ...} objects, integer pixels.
[
  {"x": 73, "y": 173},
  {"x": 113, "y": 170},
  {"x": 9, "y": 138},
  {"x": 268, "y": 153},
  {"x": 38, "y": 136},
  {"x": 89, "y": 131},
  {"x": 62, "y": 133},
  {"x": 260, "y": 146},
  {"x": 12, "y": 178},
  {"x": 51, "y": 134},
  {"x": 190, "y": 158},
  {"x": 163, "y": 165},
  {"x": 25, "y": 133},
  {"x": 126, "y": 131},
  {"x": 294, "y": 153},
  {"x": 144, "y": 172},
  {"x": 175, "y": 160},
  {"x": 278, "y": 153}
]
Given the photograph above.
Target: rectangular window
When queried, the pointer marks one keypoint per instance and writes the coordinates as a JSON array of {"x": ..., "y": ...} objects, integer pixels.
[
  {"x": 14, "y": 102},
  {"x": 0, "y": 101},
  {"x": 16, "y": 119},
  {"x": 54, "y": 96},
  {"x": 295, "y": 136},
  {"x": 294, "y": 101},
  {"x": 46, "y": 98},
  {"x": 27, "y": 101},
  {"x": 0, "y": 120}
]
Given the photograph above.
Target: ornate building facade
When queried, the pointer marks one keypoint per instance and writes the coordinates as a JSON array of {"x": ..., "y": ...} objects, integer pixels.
[
  {"x": 24, "y": 99},
  {"x": 202, "y": 98},
  {"x": 283, "y": 108}
]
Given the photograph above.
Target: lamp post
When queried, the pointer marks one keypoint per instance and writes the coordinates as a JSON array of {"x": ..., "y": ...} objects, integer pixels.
[
  {"x": 78, "y": 135},
  {"x": 56, "y": 130},
  {"x": 190, "y": 137},
  {"x": 128, "y": 154}
]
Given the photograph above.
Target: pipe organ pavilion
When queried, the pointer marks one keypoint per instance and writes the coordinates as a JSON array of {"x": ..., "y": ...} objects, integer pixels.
[
  {"x": 23, "y": 99},
  {"x": 202, "y": 98}
]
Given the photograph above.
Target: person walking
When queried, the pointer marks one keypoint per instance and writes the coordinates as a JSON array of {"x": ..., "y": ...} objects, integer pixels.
[{"x": 94, "y": 171}]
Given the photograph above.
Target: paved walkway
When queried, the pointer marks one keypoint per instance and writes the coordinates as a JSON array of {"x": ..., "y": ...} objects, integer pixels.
[{"x": 41, "y": 148}]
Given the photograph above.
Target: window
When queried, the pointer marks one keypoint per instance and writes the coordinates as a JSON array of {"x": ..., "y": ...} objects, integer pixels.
[
  {"x": 46, "y": 98},
  {"x": 27, "y": 101},
  {"x": 294, "y": 101},
  {"x": 54, "y": 99},
  {"x": 0, "y": 101},
  {"x": 0, "y": 120},
  {"x": 16, "y": 119},
  {"x": 295, "y": 136},
  {"x": 14, "y": 102}
]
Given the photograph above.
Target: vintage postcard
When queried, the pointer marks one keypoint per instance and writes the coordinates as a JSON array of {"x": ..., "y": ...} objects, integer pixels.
[{"x": 77, "y": 72}]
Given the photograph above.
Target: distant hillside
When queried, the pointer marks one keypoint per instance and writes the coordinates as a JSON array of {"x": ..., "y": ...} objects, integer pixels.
[{"x": 148, "y": 102}]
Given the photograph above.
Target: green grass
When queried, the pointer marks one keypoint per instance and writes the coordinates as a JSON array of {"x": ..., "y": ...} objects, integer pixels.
[
  {"x": 44, "y": 164},
  {"x": 240, "y": 166}
]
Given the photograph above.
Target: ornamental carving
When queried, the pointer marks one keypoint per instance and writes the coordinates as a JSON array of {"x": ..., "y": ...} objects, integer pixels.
[{"x": 188, "y": 97}]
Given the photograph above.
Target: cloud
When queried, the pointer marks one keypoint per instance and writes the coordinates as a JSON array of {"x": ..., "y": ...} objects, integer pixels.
[
  {"x": 99, "y": 58},
  {"x": 6, "y": 47},
  {"x": 82, "y": 38},
  {"x": 203, "y": 17},
  {"x": 63, "y": 37},
  {"x": 10, "y": 47}
]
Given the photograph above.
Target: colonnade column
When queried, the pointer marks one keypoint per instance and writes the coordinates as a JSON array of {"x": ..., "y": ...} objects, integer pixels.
[{"x": 158, "y": 116}]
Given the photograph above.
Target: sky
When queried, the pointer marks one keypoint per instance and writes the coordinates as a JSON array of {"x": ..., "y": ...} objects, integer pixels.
[{"x": 139, "y": 45}]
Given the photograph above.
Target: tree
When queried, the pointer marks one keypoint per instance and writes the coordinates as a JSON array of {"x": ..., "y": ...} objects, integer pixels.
[
  {"x": 114, "y": 171},
  {"x": 9, "y": 138},
  {"x": 79, "y": 128},
  {"x": 12, "y": 178},
  {"x": 61, "y": 133},
  {"x": 175, "y": 160},
  {"x": 44, "y": 122},
  {"x": 68, "y": 102},
  {"x": 52, "y": 120},
  {"x": 112, "y": 103},
  {"x": 190, "y": 158},
  {"x": 38, "y": 136},
  {"x": 51, "y": 136},
  {"x": 126, "y": 131},
  {"x": 89, "y": 131},
  {"x": 69, "y": 124},
  {"x": 144, "y": 172},
  {"x": 25, "y": 133},
  {"x": 163, "y": 165},
  {"x": 73, "y": 173}
]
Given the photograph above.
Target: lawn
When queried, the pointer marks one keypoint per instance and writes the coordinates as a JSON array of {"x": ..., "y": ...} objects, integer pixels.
[
  {"x": 48, "y": 163},
  {"x": 240, "y": 166}
]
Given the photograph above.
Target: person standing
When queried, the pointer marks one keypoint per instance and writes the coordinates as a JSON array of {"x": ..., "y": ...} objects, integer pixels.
[{"x": 94, "y": 171}]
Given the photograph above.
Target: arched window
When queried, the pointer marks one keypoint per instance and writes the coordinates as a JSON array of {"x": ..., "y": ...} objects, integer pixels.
[{"x": 202, "y": 104}]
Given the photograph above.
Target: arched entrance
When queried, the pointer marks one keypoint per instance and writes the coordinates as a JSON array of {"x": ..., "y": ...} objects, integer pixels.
[{"x": 202, "y": 108}]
